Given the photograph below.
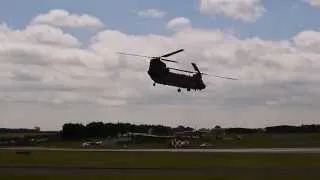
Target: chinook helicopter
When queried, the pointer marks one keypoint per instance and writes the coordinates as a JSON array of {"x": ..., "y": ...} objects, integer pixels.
[{"x": 160, "y": 73}]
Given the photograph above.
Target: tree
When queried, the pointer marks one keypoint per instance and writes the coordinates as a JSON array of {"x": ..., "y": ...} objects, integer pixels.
[
  {"x": 73, "y": 131},
  {"x": 95, "y": 129}
]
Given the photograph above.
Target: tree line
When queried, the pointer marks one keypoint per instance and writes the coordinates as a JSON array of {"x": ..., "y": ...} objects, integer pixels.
[
  {"x": 103, "y": 130},
  {"x": 294, "y": 129},
  {"x": 20, "y": 130},
  {"x": 277, "y": 129}
]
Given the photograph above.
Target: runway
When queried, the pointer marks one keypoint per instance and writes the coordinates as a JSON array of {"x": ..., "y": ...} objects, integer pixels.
[{"x": 247, "y": 150}]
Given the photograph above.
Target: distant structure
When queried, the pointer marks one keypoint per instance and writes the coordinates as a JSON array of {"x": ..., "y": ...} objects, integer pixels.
[
  {"x": 37, "y": 128},
  {"x": 150, "y": 131}
]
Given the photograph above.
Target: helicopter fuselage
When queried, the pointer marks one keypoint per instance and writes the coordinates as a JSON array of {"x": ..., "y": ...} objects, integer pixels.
[{"x": 160, "y": 74}]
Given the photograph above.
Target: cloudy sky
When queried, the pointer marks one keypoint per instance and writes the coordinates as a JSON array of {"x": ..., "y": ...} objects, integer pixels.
[{"x": 58, "y": 62}]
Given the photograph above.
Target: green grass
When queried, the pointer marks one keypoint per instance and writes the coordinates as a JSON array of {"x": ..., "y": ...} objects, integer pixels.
[
  {"x": 160, "y": 159},
  {"x": 77, "y": 144},
  {"x": 268, "y": 141},
  {"x": 258, "y": 140},
  {"x": 227, "y": 166},
  {"x": 233, "y": 166},
  {"x": 248, "y": 141},
  {"x": 146, "y": 178}
]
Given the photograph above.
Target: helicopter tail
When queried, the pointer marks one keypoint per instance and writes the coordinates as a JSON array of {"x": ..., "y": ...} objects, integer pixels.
[
  {"x": 195, "y": 67},
  {"x": 200, "y": 73}
]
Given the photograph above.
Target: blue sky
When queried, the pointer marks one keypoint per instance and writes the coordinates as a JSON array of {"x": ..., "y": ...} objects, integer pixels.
[{"x": 283, "y": 19}]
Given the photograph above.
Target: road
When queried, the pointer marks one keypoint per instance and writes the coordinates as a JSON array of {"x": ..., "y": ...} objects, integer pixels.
[{"x": 248, "y": 150}]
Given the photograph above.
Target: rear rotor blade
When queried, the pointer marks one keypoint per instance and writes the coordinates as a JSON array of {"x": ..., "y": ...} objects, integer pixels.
[
  {"x": 163, "y": 59},
  {"x": 225, "y": 77},
  {"x": 182, "y": 70},
  {"x": 172, "y": 53},
  {"x": 203, "y": 74},
  {"x": 129, "y": 54}
]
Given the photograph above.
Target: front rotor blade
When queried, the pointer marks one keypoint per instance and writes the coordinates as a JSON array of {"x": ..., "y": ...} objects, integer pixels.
[{"x": 172, "y": 53}]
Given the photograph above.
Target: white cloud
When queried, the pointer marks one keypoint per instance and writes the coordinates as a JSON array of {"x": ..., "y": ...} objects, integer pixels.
[
  {"x": 308, "y": 40},
  {"x": 4, "y": 27},
  {"x": 63, "y": 18},
  {"x": 152, "y": 13},
  {"x": 179, "y": 23},
  {"x": 38, "y": 34},
  {"x": 315, "y": 3},
  {"x": 245, "y": 10},
  {"x": 43, "y": 64}
]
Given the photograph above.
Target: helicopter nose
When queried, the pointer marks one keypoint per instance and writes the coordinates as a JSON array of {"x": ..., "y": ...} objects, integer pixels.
[{"x": 203, "y": 86}]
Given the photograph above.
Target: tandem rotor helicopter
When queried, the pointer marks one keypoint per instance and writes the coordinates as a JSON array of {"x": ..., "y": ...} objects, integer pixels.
[{"x": 160, "y": 73}]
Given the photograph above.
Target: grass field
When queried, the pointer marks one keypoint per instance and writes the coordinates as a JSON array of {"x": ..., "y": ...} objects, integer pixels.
[
  {"x": 222, "y": 165},
  {"x": 257, "y": 140},
  {"x": 269, "y": 141},
  {"x": 150, "y": 178},
  {"x": 160, "y": 159},
  {"x": 247, "y": 141}
]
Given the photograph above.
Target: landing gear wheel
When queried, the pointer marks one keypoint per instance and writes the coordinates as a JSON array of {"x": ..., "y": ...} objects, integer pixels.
[
  {"x": 179, "y": 90},
  {"x": 188, "y": 89},
  {"x": 154, "y": 84}
]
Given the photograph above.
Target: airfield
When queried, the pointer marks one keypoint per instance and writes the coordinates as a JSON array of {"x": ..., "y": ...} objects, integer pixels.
[
  {"x": 245, "y": 163},
  {"x": 237, "y": 155},
  {"x": 248, "y": 150}
]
